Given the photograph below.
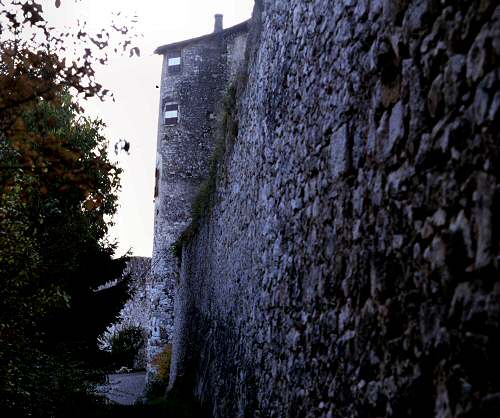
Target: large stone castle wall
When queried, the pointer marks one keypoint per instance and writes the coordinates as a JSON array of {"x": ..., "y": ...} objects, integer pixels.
[{"x": 349, "y": 267}]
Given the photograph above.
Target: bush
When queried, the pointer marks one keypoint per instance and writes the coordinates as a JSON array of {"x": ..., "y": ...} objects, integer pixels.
[
  {"x": 162, "y": 362},
  {"x": 125, "y": 346},
  {"x": 157, "y": 387}
]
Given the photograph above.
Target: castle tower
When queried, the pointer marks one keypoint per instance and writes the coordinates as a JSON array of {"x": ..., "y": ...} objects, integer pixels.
[{"x": 195, "y": 74}]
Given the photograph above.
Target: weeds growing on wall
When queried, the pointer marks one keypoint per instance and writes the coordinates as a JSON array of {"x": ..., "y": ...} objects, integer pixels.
[{"x": 204, "y": 199}]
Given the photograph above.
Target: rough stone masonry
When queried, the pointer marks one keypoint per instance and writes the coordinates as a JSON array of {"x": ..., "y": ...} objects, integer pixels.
[
  {"x": 195, "y": 75},
  {"x": 135, "y": 312},
  {"x": 350, "y": 264}
]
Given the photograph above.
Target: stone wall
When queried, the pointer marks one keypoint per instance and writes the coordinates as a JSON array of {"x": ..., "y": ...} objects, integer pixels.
[
  {"x": 135, "y": 312},
  {"x": 183, "y": 155},
  {"x": 349, "y": 267}
]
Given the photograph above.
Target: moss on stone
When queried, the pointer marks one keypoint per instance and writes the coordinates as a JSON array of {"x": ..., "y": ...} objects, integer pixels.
[{"x": 227, "y": 133}]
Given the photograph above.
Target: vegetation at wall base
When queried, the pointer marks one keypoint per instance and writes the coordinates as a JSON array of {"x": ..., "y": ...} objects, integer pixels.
[{"x": 162, "y": 362}]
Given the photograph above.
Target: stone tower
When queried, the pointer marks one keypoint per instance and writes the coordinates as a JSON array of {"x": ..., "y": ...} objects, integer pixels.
[{"x": 195, "y": 75}]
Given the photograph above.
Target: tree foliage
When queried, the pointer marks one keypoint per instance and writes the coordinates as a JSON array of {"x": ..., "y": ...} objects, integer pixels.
[
  {"x": 58, "y": 192},
  {"x": 125, "y": 346}
]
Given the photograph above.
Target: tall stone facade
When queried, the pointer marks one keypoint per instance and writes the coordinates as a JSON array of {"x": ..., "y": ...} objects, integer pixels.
[
  {"x": 350, "y": 265},
  {"x": 195, "y": 75}
]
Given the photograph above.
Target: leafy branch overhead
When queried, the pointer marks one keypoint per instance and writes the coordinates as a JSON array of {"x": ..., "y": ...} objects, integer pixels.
[{"x": 35, "y": 66}]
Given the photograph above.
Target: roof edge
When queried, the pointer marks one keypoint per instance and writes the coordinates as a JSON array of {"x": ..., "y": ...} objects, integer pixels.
[{"x": 236, "y": 28}]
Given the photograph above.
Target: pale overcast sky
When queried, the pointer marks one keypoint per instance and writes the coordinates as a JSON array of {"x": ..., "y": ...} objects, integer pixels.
[{"x": 134, "y": 114}]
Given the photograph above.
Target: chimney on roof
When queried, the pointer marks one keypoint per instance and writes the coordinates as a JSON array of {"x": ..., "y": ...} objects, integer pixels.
[{"x": 218, "y": 23}]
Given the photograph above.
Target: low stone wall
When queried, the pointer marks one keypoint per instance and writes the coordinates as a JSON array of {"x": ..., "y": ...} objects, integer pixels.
[{"x": 349, "y": 267}]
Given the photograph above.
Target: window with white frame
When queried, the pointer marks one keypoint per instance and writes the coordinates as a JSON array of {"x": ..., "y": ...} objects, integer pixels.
[
  {"x": 174, "y": 63},
  {"x": 171, "y": 114}
]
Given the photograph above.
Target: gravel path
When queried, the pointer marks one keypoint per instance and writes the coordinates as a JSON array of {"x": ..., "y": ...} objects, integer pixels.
[{"x": 125, "y": 388}]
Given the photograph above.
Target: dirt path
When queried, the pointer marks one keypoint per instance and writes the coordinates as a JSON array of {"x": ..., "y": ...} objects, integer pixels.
[{"x": 125, "y": 388}]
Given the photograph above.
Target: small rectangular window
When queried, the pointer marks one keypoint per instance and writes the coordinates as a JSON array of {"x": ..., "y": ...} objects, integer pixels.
[
  {"x": 174, "y": 63},
  {"x": 171, "y": 114}
]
